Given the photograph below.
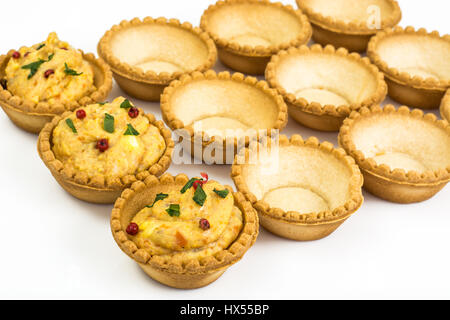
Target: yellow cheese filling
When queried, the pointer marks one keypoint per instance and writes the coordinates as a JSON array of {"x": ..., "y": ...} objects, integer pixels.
[
  {"x": 75, "y": 141},
  {"x": 164, "y": 233},
  {"x": 51, "y": 71}
]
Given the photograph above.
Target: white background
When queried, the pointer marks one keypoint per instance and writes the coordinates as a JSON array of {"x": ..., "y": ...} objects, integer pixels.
[{"x": 54, "y": 246}]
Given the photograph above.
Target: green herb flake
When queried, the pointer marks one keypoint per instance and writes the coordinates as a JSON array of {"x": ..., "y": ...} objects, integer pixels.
[
  {"x": 126, "y": 104},
  {"x": 188, "y": 185},
  {"x": 159, "y": 197},
  {"x": 103, "y": 103},
  {"x": 131, "y": 131},
  {"x": 174, "y": 210},
  {"x": 50, "y": 57},
  {"x": 222, "y": 193},
  {"x": 33, "y": 67},
  {"x": 40, "y": 46},
  {"x": 71, "y": 72},
  {"x": 69, "y": 122},
  {"x": 199, "y": 196},
  {"x": 108, "y": 123}
]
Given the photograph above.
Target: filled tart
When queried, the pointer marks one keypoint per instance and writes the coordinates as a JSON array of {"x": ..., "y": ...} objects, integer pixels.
[
  {"x": 47, "y": 79},
  {"x": 183, "y": 232},
  {"x": 403, "y": 154},
  {"x": 302, "y": 189},
  {"x": 99, "y": 150},
  {"x": 146, "y": 55},
  {"x": 248, "y": 32}
]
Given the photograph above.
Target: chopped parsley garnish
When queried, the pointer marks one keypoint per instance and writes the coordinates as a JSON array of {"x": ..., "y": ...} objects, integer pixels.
[
  {"x": 159, "y": 197},
  {"x": 199, "y": 196},
  {"x": 126, "y": 104},
  {"x": 50, "y": 57},
  {"x": 131, "y": 131},
  {"x": 174, "y": 210},
  {"x": 71, "y": 72},
  {"x": 108, "y": 123},
  {"x": 33, "y": 67},
  {"x": 71, "y": 125},
  {"x": 103, "y": 103},
  {"x": 222, "y": 193},
  {"x": 188, "y": 185},
  {"x": 40, "y": 46}
]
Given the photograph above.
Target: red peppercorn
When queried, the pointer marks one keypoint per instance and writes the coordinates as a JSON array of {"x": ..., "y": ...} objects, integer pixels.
[
  {"x": 48, "y": 73},
  {"x": 132, "y": 229},
  {"x": 133, "y": 112},
  {"x": 16, "y": 55},
  {"x": 102, "y": 145},
  {"x": 81, "y": 114},
  {"x": 197, "y": 183},
  {"x": 204, "y": 224},
  {"x": 205, "y": 176}
]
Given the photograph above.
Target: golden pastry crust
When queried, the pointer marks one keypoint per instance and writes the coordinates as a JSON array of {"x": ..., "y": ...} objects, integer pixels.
[
  {"x": 340, "y": 213},
  {"x": 23, "y": 112},
  {"x": 260, "y": 50},
  {"x": 171, "y": 119},
  {"x": 151, "y": 77},
  {"x": 445, "y": 106},
  {"x": 103, "y": 190},
  {"x": 427, "y": 177},
  {"x": 176, "y": 272},
  {"x": 352, "y": 27},
  {"x": 397, "y": 75}
]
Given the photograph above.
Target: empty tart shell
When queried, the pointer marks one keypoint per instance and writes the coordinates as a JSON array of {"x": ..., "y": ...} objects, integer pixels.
[
  {"x": 98, "y": 189},
  {"x": 32, "y": 117},
  {"x": 321, "y": 86},
  {"x": 303, "y": 190},
  {"x": 415, "y": 64},
  {"x": 404, "y": 155},
  {"x": 248, "y": 32},
  {"x": 349, "y": 23},
  {"x": 203, "y": 106},
  {"x": 445, "y": 106},
  {"x": 146, "y": 55},
  {"x": 174, "y": 270}
]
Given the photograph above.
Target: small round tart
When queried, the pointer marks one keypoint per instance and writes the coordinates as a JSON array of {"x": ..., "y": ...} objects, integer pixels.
[
  {"x": 445, "y": 106},
  {"x": 183, "y": 232},
  {"x": 303, "y": 190},
  {"x": 219, "y": 112},
  {"x": 403, "y": 154},
  {"x": 415, "y": 63},
  {"x": 249, "y": 32},
  {"x": 349, "y": 23},
  {"x": 48, "y": 79},
  {"x": 101, "y": 149},
  {"x": 321, "y": 86},
  {"x": 145, "y": 56}
]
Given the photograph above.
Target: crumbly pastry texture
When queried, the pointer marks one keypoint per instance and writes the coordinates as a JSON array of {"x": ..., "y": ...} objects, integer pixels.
[
  {"x": 232, "y": 97},
  {"x": 412, "y": 57},
  {"x": 74, "y": 157},
  {"x": 303, "y": 164},
  {"x": 251, "y": 13},
  {"x": 179, "y": 33},
  {"x": 445, "y": 106},
  {"x": 179, "y": 262},
  {"x": 367, "y": 89},
  {"x": 350, "y": 16},
  {"x": 59, "y": 92},
  {"x": 403, "y": 145}
]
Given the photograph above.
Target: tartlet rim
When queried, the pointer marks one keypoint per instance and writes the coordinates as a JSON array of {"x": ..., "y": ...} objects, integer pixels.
[
  {"x": 257, "y": 51},
  {"x": 315, "y": 107},
  {"x": 403, "y": 77},
  {"x": 223, "y": 259},
  {"x": 384, "y": 171},
  {"x": 99, "y": 182},
  {"x": 354, "y": 202},
  {"x": 445, "y": 106},
  {"x": 174, "y": 123},
  {"x": 150, "y": 77},
  {"x": 351, "y": 28},
  {"x": 43, "y": 108}
]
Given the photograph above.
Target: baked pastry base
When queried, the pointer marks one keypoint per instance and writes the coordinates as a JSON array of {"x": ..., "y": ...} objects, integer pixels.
[
  {"x": 33, "y": 121},
  {"x": 352, "y": 42},
  {"x": 246, "y": 64},
  {"x": 445, "y": 107},
  {"x": 194, "y": 274},
  {"x": 325, "y": 122}
]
